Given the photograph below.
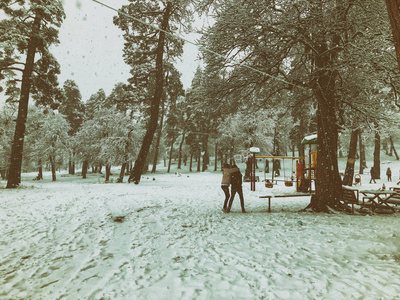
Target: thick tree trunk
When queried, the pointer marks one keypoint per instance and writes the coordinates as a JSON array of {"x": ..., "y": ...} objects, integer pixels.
[
  {"x": 393, "y": 8},
  {"x": 180, "y": 152},
  {"x": 351, "y": 159},
  {"x": 84, "y": 168},
  {"x": 328, "y": 183},
  {"x": 393, "y": 149},
  {"x": 14, "y": 176},
  {"x": 191, "y": 162},
  {"x": 377, "y": 156},
  {"x": 155, "y": 103},
  {"x": 363, "y": 163}
]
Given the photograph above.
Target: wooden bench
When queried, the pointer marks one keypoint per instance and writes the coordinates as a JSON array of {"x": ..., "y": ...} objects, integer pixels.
[
  {"x": 350, "y": 196},
  {"x": 284, "y": 196}
]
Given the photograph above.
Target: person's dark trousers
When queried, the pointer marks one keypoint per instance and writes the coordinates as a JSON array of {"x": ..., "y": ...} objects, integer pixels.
[
  {"x": 225, "y": 188},
  {"x": 235, "y": 190}
]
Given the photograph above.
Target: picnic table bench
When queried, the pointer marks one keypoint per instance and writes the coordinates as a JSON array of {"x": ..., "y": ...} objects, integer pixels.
[
  {"x": 287, "y": 195},
  {"x": 350, "y": 196},
  {"x": 378, "y": 198}
]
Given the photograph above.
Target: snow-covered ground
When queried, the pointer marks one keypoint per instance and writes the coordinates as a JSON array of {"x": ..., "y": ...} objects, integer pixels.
[{"x": 168, "y": 239}]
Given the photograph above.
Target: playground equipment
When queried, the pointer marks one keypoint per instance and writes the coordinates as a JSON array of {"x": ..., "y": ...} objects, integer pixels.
[
  {"x": 275, "y": 169},
  {"x": 305, "y": 172}
]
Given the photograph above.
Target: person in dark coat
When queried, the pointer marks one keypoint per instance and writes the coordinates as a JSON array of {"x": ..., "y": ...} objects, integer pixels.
[
  {"x": 236, "y": 187},
  {"x": 372, "y": 173},
  {"x": 389, "y": 174}
]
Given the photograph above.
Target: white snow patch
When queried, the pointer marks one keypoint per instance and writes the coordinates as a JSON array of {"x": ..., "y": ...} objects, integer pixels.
[{"x": 169, "y": 239}]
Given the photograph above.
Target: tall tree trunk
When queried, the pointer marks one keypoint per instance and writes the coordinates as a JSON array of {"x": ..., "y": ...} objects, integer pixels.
[
  {"x": 328, "y": 183},
  {"x": 159, "y": 133},
  {"x": 363, "y": 163},
  {"x": 84, "y": 168},
  {"x": 216, "y": 156},
  {"x": 180, "y": 151},
  {"x": 393, "y": 149},
  {"x": 170, "y": 153},
  {"x": 121, "y": 174},
  {"x": 14, "y": 176},
  {"x": 40, "y": 175},
  {"x": 206, "y": 158},
  {"x": 198, "y": 160},
  {"x": 71, "y": 165},
  {"x": 191, "y": 161},
  {"x": 377, "y": 156},
  {"x": 351, "y": 159},
  {"x": 53, "y": 167},
  {"x": 155, "y": 103},
  {"x": 393, "y": 8},
  {"x": 108, "y": 172}
]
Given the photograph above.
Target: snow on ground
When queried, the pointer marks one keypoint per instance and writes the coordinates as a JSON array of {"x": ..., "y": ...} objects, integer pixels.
[{"x": 168, "y": 239}]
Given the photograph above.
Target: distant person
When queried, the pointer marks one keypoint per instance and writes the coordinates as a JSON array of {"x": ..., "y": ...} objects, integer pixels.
[
  {"x": 389, "y": 174},
  {"x": 372, "y": 173},
  {"x": 236, "y": 187},
  {"x": 226, "y": 181}
]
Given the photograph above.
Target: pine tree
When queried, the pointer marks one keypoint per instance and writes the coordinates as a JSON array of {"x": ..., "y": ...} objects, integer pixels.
[
  {"x": 73, "y": 109},
  {"x": 146, "y": 51},
  {"x": 30, "y": 28}
]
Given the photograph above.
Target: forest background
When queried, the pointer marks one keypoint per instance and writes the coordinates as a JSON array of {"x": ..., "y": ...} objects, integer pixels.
[{"x": 273, "y": 72}]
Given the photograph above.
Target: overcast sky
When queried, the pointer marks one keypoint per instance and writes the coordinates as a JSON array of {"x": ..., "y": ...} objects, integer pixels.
[{"x": 90, "y": 50}]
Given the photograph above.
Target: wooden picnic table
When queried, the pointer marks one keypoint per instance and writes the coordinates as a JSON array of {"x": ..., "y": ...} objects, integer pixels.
[
  {"x": 378, "y": 198},
  {"x": 284, "y": 195}
]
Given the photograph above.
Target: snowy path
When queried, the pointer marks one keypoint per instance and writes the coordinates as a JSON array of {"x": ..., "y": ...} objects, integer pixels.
[{"x": 168, "y": 239}]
